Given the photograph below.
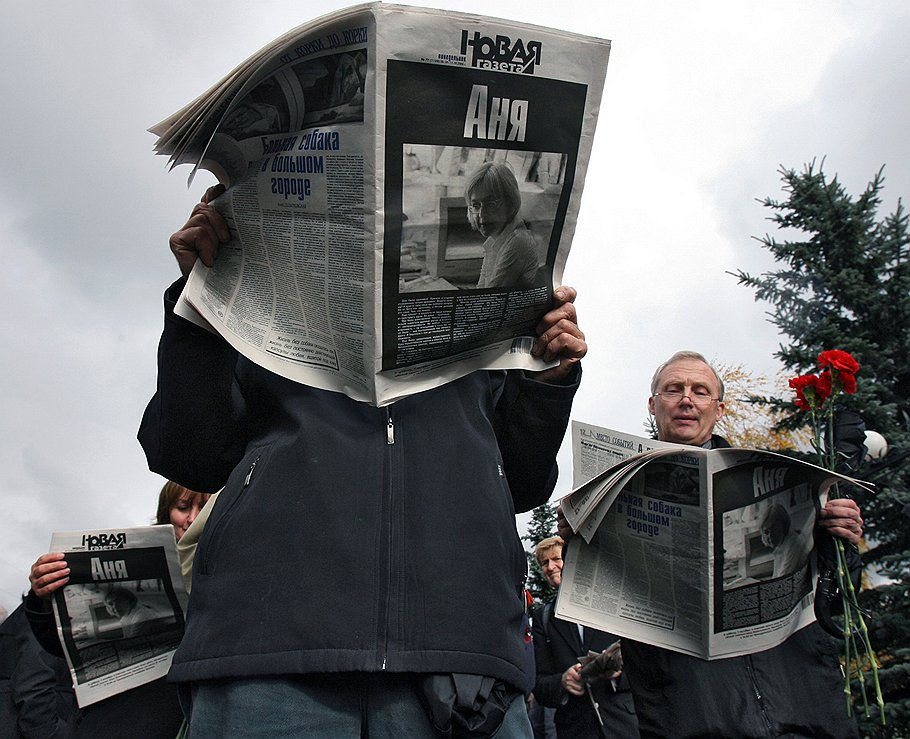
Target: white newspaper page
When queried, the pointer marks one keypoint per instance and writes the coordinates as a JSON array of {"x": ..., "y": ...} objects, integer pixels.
[
  {"x": 706, "y": 552},
  {"x": 595, "y": 449},
  {"x": 294, "y": 289},
  {"x": 120, "y": 617},
  {"x": 763, "y": 582},
  {"x": 643, "y": 574},
  {"x": 601, "y": 457},
  {"x": 365, "y": 258},
  {"x": 467, "y": 95},
  {"x": 614, "y": 485}
]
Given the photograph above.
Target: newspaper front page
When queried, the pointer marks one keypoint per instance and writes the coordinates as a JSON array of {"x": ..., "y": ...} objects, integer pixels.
[
  {"x": 120, "y": 617},
  {"x": 365, "y": 257},
  {"x": 706, "y": 552}
]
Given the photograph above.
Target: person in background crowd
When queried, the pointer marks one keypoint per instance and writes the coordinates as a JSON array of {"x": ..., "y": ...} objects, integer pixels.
[
  {"x": 587, "y": 707},
  {"x": 36, "y": 696},
  {"x": 151, "y": 710},
  {"x": 179, "y": 507}
]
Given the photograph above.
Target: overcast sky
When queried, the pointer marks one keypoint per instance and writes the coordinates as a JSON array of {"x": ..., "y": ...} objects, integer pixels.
[{"x": 703, "y": 102}]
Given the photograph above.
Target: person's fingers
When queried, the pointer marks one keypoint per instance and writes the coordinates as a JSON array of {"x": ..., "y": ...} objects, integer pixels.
[
  {"x": 572, "y": 680},
  {"x": 48, "y": 573},
  {"x": 565, "y": 294},
  {"x": 562, "y": 525},
  {"x": 213, "y": 192},
  {"x": 569, "y": 347},
  {"x": 564, "y": 313},
  {"x": 201, "y": 236},
  {"x": 559, "y": 335},
  {"x": 841, "y": 517},
  {"x": 564, "y": 339},
  {"x": 846, "y": 533}
]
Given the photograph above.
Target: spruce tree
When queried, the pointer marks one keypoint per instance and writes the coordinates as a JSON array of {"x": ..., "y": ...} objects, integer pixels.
[
  {"x": 844, "y": 283},
  {"x": 541, "y": 526}
]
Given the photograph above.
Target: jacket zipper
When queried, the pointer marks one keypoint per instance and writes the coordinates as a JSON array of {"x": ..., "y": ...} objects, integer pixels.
[
  {"x": 390, "y": 441},
  {"x": 758, "y": 696},
  {"x": 249, "y": 475},
  {"x": 246, "y": 483}
]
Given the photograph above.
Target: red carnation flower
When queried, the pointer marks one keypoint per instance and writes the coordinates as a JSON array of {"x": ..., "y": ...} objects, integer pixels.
[
  {"x": 805, "y": 387},
  {"x": 847, "y": 382},
  {"x": 839, "y": 360},
  {"x": 823, "y": 387}
]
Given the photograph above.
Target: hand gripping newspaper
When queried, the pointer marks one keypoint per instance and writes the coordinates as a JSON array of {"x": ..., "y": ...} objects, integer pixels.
[
  {"x": 120, "y": 617},
  {"x": 367, "y": 256},
  {"x": 708, "y": 552}
]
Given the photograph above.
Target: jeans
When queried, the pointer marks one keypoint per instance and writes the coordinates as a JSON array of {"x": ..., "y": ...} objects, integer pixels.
[{"x": 333, "y": 706}]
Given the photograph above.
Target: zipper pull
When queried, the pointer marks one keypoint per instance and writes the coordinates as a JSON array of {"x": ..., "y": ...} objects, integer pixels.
[
  {"x": 390, "y": 431},
  {"x": 249, "y": 475}
]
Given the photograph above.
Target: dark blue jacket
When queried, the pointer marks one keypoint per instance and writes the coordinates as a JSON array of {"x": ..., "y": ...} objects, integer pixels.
[
  {"x": 350, "y": 537},
  {"x": 36, "y": 695}
]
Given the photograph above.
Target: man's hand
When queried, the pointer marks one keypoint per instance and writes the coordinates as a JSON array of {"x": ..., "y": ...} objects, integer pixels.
[
  {"x": 49, "y": 573},
  {"x": 201, "y": 235},
  {"x": 841, "y": 517},
  {"x": 605, "y": 665},
  {"x": 572, "y": 680},
  {"x": 562, "y": 525},
  {"x": 559, "y": 337}
]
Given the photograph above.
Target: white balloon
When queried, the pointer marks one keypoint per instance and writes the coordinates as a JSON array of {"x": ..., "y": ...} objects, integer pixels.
[{"x": 876, "y": 446}]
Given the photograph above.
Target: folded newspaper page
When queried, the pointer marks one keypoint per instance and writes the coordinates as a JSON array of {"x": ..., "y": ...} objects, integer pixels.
[
  {"x": 120, "y": 617},
  {"x": 708, "y": 552},
  {"x": 403, "y": 188}
]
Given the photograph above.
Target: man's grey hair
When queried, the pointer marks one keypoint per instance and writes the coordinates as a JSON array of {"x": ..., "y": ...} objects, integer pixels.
[{"x": 679, "y": 356}]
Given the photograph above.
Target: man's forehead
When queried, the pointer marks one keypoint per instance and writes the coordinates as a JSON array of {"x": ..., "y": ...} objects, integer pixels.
[{"x": 688, "y": 370}]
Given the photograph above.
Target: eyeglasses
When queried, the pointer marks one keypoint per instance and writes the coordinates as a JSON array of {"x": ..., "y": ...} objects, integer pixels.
[
  {"x": 698, "y": 397},
  {"x": 475, "y": 206}
]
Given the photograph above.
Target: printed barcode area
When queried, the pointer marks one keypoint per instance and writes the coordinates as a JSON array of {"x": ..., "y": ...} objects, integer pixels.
[
  {"x": 807, "y": 600},
  {"x": 522, "y": 345}
]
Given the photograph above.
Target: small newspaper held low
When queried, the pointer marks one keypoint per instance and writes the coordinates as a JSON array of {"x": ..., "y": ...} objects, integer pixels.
[
  {"x": 120, "y": 617},
  {"x": 709, "y": 552}
]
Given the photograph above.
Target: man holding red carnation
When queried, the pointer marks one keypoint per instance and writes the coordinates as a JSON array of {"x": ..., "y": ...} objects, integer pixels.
[{"x": 794, "y": 689}]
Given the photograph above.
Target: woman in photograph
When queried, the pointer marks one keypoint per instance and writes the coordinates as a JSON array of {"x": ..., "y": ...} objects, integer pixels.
[{"x": 510, "y": 252}]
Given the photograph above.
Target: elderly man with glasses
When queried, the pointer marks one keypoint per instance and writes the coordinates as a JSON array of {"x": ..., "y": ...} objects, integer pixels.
[{"x": 794, "y": 689}]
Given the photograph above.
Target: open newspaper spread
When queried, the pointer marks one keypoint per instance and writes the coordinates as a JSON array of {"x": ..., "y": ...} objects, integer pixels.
[
  {"x": 347, "y": 145},
  {"x": 703, "y": 551},
  {"x": 120, "y": 617}
]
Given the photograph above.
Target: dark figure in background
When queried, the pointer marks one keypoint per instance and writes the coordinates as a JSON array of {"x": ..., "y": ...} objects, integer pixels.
[
  {"x": 558, "y": 647},
  {"x": 36, "y": 695}
]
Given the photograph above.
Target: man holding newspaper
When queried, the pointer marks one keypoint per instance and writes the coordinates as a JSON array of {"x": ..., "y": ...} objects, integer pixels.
[
  {"x": 335, "y": 585},
  {"x": 794, "y": 689}
]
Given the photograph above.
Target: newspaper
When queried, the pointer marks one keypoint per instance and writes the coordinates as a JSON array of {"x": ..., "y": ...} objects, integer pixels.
[
  {"x": 120, "y": 617},
  {"x": 347, "y": 146},
  {"x": 705, "y": 552}
]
